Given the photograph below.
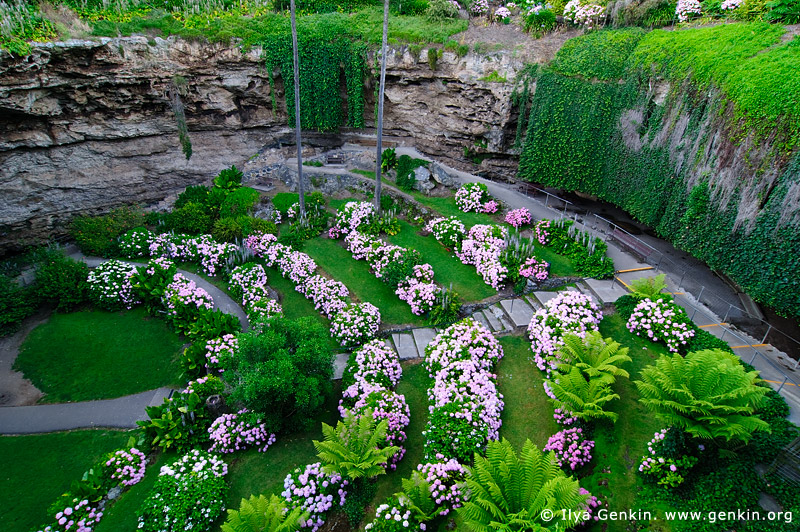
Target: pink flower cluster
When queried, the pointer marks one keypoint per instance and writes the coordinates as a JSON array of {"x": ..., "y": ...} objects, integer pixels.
[
  {"x": 562, "y": 417},
  {"x": 260, "y": 243},
  {"x": 80, "y": 516},
  {"x": 568, "y": 312},
  {"x": 518, "y": 217},
  {"x": 661, "y": 320},
  {"x": 376, "y": 371},
  {"x": 220, "y": 351},
  {"x": 447, "y": 483},
  {"x": 136, "y": 243},
  {"x": 314, "y": 491},
  {"x": 249, "y": 281},
  {"x": 475, "y": 197},
  {"x": 201, "y": 249},
  {"x": 686, "y": 8},
  {"x": 419, "y": 291},
  {"x": 589, "y": 507},
  {"x": 482, "y": 248},
  {"x": 329, "y": 296},
  {"x": 587, "y": 15},
  {"x": 110, "y": 284},
  {"x": 730, "y": 5},
  {"x": 264, "y": 309},
  {"x": 459, "y": 360},
  {"x": 127, "y": 466},
  {"x": 665, "y": 471},
  {"x": 296, "y": 266},
  {"x": 351, "y": 216},
  {"x": 542, "y": 232},
  {"x": 184, "y": 293},
  {"x": 234, "y": 432},
  {"x": 570, "y": 448},
  {"x": 374, "y": 250},
  {"x": 534, "y": 269},
  {"x": 355, "y": 324},
  {"x": 395, "y": 516},
  {"x": 448, "y": 231}
]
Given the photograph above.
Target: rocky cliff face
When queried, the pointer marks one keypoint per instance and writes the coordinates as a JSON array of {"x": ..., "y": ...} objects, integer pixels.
[{"x": 86, "y": 126}]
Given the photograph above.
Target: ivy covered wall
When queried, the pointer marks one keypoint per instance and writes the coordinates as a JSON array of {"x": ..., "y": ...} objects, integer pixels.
[{"x": 694, "y": 132}]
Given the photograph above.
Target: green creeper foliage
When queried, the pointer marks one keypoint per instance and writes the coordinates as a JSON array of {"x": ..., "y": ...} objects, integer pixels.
[
  {"x": 585, "y": 399},
  {"x": 707, "y": 394},
  {"x": 354, "y": 447},
  {"x": 509, "y": 492},
  {"x": 262, "y": 514},
  {"x": 596, "y": 357}
]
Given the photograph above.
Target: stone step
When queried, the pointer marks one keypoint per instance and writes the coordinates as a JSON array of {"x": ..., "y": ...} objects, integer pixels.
[
  {"x": 544, "y": 297},
  {"x": 533, "y": 302},
  {"x": 405, "y": 346},
  {"x": 495, "y": 325},
  {"x": 518, "y": 311},
  {"x": 422, "y": 337},
  {"x": 481, "y": 318},
  {"x": 606, "y": 291},
  {"x": 500, "y": 314}
]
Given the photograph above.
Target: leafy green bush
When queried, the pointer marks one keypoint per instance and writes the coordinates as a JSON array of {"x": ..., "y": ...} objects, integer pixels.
[
  {"x": 150, "y": 281},
  {"x": 408, "y": 7},
  {"x": 210, "y": 324},
  {"x": 283, "y": 372},
  {"x": 405, "y": 171},
  {"x": 625, "y": 305},
  {"x": 388, "y": 159},
  {"x": 193, "y": 194},
  {"x": 229, "y": 179},
  {"x": 703, "y": 339},
  {"x": 16, "y": 304},
  {"x": 97, "y": 235},
  {"x": 192, "y": 219},
  {"x": 233, "y": 229},
  {"x": 283, "y": 200},
  {"x": 439, "y": 10},
  {"x": 61, "y": 281},
  {"x": 239, "y": 202},
  {"x": 179, "y": 423},
  {"x": 785, "y": 11},
  {"x": 397, "y": 271},
  {"x": 541, "y": 22}
]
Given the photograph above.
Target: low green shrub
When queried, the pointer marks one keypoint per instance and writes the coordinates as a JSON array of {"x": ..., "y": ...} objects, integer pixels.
[
  {"x": 191, "y": 219},
  {"x": 388, "y": 159},
  {"x": 397, "y": 271},
  {"x": 233, "y": 229},
  {"x": 193, "y": 194},
  {"x": 541, "y": 22},
  {"x": 229, "y": 179},
  {"x": 405, "y": 171},
  {"x": 625, "y": 305},
  {"x": 703, "y": 339},
  {"x": 408, "y": 7},
  {"x": 61, "y": 281},
  {"x": 239, "y": 202},
  {"x": 210, "y": 324},
  {"x": 180, "y": 423},
  {"x": 16, "y": 304},
  {"x": 97, "y": 235}
]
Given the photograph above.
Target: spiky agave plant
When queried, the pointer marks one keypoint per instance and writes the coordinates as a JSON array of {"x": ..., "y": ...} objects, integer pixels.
[{"x": 510, "y": 492}]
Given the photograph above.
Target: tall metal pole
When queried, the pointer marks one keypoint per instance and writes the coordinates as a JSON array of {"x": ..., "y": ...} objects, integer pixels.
[
  {"x": 296, "y": 58},
  {"x": 380, "y": 108}
]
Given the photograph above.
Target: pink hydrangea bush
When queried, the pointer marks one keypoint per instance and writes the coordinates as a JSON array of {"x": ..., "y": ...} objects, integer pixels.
[
  {"x": 350, "y": 217},
  {"x": 375, "y": 363},
  {"x": 448, "y": 231},
  {"x": 542, "y": 232},
  {"x": 355, "y": 324},
  {"x": 562, "y": 417},
  {"x": 259, "y": 243},
  {"x": 235, "y": 432},
  {"x": 685, "y": 9},
  {"x": 588, "y": 15},
  {"x": 474, "y": 197},
  {"x": 731, "y": 5},
  {"x": 447, "y": 480},
  {"x": 127, "y": 466},
  {"x": 248, "y": 282},
  {"x": 571, "y": 448},
  {"x": 534, "y": 269},
  {"x": 568, "y": 312},
  {"x": 464, "y": 404},
  {"x": 220, "y": 351},
  {"x": 665, "y": 471},
  {"x": 110, "y": 285},
  {"x": 79, "y": 516},
  {"x": 518, "y": 217},
  {"x": 482, "y": 247},
  {"x": 264, "y": 309},
  {"x": 296, "y": 266},
  {"x": 661, "y": 320},
  {"x": 183, "y": 299},
  {"x": 136, "y": 243},
  {"x": 329, "y": 296},
  {"x": 314, "y": 491},
  {"x": 419, "y": 291}
]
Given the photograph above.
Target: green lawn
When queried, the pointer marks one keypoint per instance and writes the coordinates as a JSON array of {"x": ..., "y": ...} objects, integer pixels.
[
  {"x": 38, "y": 468},
  {"x": 528, "y": 413},
  {"x": 446, "y": 266},
  {"x": 560, "y": 266},
  {"x": 100, "y": 355},
  {"x": 363, "y": 286}
]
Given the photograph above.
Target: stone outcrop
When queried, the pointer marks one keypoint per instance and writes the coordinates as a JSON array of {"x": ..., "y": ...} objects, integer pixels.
[{"x": 86, "y": 126}]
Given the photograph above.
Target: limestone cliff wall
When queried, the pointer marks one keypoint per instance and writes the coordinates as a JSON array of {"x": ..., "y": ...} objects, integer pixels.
[{"x": 86, "y": 126}]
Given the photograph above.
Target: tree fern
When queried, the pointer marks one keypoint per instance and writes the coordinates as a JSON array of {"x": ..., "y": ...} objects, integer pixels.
[
  {"x": 509, "y": 492},
  {"x": 585, "y": 399},
  {"x": 259, "y": 514},
  {"x": 650, "y": 287},
  {"x": 594, "y": 356},
  {"x": 353, "y": 448},
  {"x": 708, "y": 394}
]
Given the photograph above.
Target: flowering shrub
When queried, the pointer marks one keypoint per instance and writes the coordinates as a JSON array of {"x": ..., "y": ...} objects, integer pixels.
[
  {"x": 351, "y": 217},
  {"x": 730, "y": 5},
  {"x": 79, "y": 516},
  {"x": 502, "y": 12},
  {"x": 570, "y": 448},
  {"x": 464, "y": 403},
  {"x": 110, "y": 285},
  {"x": 479, "y": 7},
  {"x": 686, "y": 8},
  {"x": 447, "y": 483},
  {"x": 296, "y": 266},
  {"x": 475, "y": 196},
  {"x": 562, "y": 417},
  {"x": 127, "y": 466},
  {"x": 419, "y": 291},
  {"x": 135, "y": 243},
  {"x": 315, "y": 492},
  {"x": 568, "y": 312},
  {"x": 384, "y": 404},
  {"x": 220, "y": 351},
  {"x": 183, "y": 299},
  {"x": 448, "y": 231},
  {"x": 189, "y": 495},
  {"x": 205, "y": 387},
  {"x": 589, "y": 507},
  {"x": 248, "y": 283},
  {"x": 542, "y": 232},
  {"x": 259, "y": 243},
  {"x": 235, "y": 432},
  {"x": 482, "y": 247},
  {"x": 661, "y": 320},
  {"x": 518, "y": 217},
  {"x": 588, "y": 16},
  {"x": 665, "y": 471},
  {"x": 328, "y": 296},
  {"x": 394, "y": 516},
  {"x": 375, "y": 363},
  {"x": 355, "y": 324},
  {"x": 534, "y": 269},
  {"x": 264, "y": 309}
]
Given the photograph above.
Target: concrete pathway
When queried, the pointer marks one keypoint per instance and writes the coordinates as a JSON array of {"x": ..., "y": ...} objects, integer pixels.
[{"x": 120, "y": 413}]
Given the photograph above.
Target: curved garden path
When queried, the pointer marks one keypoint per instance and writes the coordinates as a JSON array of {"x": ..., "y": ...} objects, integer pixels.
[{"x": 507, "y": 316}]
